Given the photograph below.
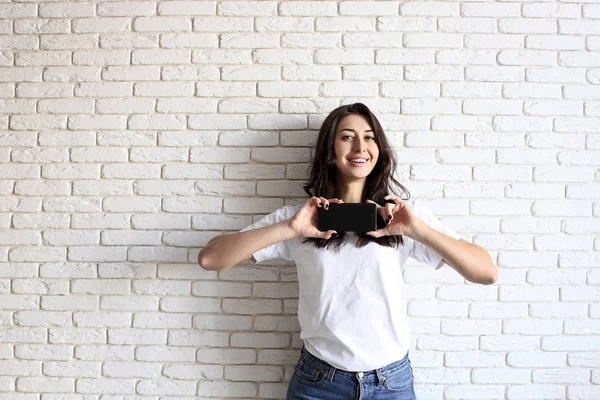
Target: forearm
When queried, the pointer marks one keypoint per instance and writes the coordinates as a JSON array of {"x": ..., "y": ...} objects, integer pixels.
[
  {"x": 469, "y": 260},
  {"x": 228, "y": 250}
]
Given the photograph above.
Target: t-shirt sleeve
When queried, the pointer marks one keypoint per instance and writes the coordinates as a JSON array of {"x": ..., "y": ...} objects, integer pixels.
[
  {"x": 418, "y": 250},
  {"x": 279, "y": 249}
]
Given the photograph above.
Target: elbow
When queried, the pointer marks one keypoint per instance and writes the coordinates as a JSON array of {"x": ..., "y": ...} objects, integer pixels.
[
  {"x": 491, "y": 276},
  {"x": 207, "y": 263},
  {"x": 485, "y": 276},
  {"x": 203, "y": 260},
  {"x": 489, "y": 271}
]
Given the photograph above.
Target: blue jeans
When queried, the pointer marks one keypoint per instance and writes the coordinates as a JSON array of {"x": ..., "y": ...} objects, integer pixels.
[{"x": 316, "y": 379}]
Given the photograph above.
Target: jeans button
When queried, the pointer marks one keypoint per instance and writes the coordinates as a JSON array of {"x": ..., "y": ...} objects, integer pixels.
[{"x": 360, "y": 374}]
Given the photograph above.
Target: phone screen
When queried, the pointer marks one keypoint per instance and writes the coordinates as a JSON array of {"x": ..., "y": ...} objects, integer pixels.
[{"x": 350, "y": 217}]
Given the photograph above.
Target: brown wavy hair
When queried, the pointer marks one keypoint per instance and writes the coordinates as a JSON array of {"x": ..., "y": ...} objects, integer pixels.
[{"x": 323, "y": 173}]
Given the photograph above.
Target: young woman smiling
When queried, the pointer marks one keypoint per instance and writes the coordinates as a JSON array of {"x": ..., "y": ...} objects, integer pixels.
[{"x": 352, "y": 298}]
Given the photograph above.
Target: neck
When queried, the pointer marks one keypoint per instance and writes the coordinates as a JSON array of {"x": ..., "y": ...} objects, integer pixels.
[{"x": 351, "y": 192}]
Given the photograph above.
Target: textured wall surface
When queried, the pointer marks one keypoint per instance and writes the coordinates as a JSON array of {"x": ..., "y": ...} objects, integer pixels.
[{"x": 133, "y": 132}]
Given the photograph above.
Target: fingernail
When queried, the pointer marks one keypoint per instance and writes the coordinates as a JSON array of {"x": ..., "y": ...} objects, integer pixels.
[
  {"x": 389, "y": 217},
  {"x": 334, "y": 234},
  {"x": 320, "y": 204},
  {"x": 327, "y": 206}
]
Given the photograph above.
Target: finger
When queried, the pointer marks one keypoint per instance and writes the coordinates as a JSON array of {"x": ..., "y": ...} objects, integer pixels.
[
  {"x": 330, "y": 234},
  {"x": 322, "y": 202},
  {"x": 389, "y": 212},
  {"x": 316, "y": 201},
  {"x": 371, "y": 201},
  {"x": 376, "y": 234},
  {"x": 394, "y": 198}
]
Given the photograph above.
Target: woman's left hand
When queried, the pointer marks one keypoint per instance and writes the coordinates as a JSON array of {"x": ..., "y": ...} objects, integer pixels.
[{"x": 398, "y": 216}]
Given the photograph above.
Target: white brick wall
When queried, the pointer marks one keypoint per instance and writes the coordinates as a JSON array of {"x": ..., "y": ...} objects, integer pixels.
[{"x": 132, "y": 132}]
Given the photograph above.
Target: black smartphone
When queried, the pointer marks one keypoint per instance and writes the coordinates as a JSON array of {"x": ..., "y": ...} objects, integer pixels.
[{"x": 350, "y": 217}]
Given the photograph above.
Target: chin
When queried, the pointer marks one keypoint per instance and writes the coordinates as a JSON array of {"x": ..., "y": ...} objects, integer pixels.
[{"x": 362, "y": 174}]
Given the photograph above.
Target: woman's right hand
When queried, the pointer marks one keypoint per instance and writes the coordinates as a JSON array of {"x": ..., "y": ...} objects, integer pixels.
[{"x": 305, "y": 222}]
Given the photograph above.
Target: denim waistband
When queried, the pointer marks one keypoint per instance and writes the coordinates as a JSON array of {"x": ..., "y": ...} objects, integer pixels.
[{"x": 316, "y": 362}]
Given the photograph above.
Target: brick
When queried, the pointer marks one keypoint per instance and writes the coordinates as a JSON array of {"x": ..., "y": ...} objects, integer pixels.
[
  {"x": 247, "y": 8},
  {"x": 312, "y": 40},
  {"x": 83, "y": 336},
  {"x": 345, "y": 24},
  {"x": 186, "y": 8},
  {"x": 263, "y": 373},
  {"x": 133, "y": 336},
  {"x": 43, "y": 352},
  {"x": 126, "y": 9},
  {"x": 308, "y": 8},
  {"x": 199, "y": 372},
  {"x": 220, "y": 24},
  {"x": 167, "y": 24},
  {"x": 34, "y": 384},
  {"x": 559, "y": 310},
  {"x": 117, "y": 386},
  {"x": 78, "y": 369},
  {"x": 260, "y": 340},
  {"x": 131, "y": 370},
  {"x": 102, "y": 319},
  {"x": 104, "y": 353},
  {"x": 66, "y": 10},
  {"x": 249, "y": 40},
  {"x": 164, "y": 353}
]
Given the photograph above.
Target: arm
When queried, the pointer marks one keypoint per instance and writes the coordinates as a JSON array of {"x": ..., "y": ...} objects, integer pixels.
[
  {"x": 469, "y": 260},
  {"x": 228, "y": 250}
]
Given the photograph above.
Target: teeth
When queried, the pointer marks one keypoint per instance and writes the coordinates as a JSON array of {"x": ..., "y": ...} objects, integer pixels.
[{"x": 359, "y": 161}]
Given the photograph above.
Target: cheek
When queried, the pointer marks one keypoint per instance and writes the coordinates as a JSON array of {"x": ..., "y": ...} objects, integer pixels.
[
  {"x": 375, "y": 151},
  {"x": 340, "y": 150}
]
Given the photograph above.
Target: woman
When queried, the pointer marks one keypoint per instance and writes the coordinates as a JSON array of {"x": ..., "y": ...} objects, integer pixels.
[{"x": 351, "y": 298}]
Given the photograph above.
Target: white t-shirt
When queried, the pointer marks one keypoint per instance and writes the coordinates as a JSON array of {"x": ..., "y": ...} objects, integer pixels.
[{"x": 351, "y": 306}]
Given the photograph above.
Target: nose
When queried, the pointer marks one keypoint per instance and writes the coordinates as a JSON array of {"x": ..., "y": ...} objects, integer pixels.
[{"x": 359, "y": 146}]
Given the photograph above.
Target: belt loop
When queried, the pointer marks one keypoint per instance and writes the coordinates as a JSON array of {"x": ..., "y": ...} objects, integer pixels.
[
  {"x": 332, "y": 370},
  {"x": 380, "y": 377}
]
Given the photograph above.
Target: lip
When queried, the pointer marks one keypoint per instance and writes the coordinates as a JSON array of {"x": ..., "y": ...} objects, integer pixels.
[{"x": 359, "y": 164}]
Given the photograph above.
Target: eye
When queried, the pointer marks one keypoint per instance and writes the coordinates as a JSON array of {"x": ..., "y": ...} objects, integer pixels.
[{"x": 368, "y": 137}]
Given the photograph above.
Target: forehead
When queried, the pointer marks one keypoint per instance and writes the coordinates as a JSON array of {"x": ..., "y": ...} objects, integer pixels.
[{"x": 356, "y": 122}]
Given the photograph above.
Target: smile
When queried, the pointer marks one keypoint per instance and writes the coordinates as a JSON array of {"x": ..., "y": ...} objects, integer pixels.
[{"x": 361, "y": 162}]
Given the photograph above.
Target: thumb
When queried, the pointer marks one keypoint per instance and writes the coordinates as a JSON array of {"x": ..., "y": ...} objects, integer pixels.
[
  {"x": 329, "y": 234},
  {"x": 371, "y": 201},
  {"x": 375, "y": 234}
]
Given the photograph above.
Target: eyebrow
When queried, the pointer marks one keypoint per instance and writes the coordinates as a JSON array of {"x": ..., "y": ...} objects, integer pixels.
[{"x": 352, "y": 130}]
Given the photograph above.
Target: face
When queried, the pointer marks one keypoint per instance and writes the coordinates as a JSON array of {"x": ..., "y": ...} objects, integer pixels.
[{"x": 354, "y": 139}]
